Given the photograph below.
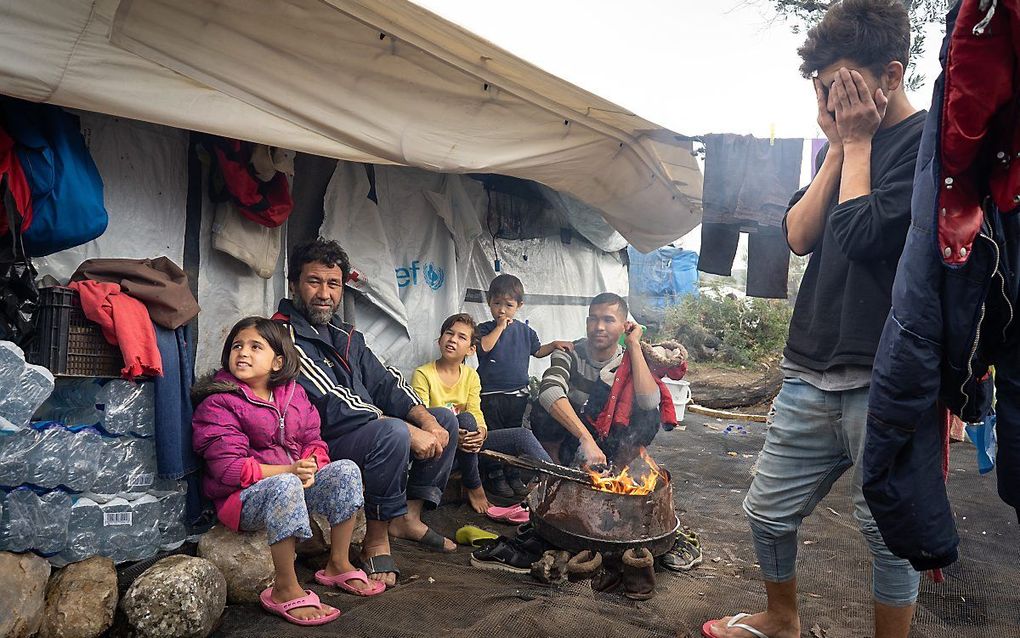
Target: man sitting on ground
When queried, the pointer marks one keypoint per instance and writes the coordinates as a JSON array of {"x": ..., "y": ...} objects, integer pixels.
[
  {"x": 558, "y": 420},
  {"x": 370, "y": 415}
]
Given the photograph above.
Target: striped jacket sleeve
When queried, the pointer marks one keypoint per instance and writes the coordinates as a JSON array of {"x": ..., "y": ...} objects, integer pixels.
[
  {"x": 336, "y": 402},
  {"x": 390, "y": 391},
  {"x": 556, "y": 380}
]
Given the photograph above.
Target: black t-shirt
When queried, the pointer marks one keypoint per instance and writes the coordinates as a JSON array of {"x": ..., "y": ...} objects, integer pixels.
[{"x": 846, "y": 291}]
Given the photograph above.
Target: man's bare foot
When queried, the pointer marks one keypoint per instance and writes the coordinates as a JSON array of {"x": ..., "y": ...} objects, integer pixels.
[
  {"x": 769, "y": 624},
  {"x": 374, "y": 545},
  {"x": 335, "y": 568},
  {"x": 479, "y": 502},
  {"x": 284, "y": 594},
  {"x": 411, "y": 528}
]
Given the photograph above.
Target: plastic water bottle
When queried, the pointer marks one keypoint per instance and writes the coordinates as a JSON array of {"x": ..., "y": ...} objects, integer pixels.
[
  {"x": 130, "y": 529},
  {"x": 51, "y": 530},
  {"x": 32, "y": 388},
  {"x": 83, "y": 460},
  {"x": 12, "y": 364},
  {"x": 109, "y": 475},
  {"x": 172, "y": 530},
  {"x": 128, "y": 407},
  {"x": 14, "y": 449},
  {"x": 72, "y": 403},
  {"x": 16, "y": 527},
  {"x": 47, "y": 460},
  {"x": 84, "y": 527},
  {"x": 144, "y": 534},
  {"x": 36, "y": 522},
  {"x": 139, "y": 466}
]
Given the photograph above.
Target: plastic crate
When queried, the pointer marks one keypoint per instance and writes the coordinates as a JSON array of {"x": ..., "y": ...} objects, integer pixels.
[{"x": 66, "y": 342}]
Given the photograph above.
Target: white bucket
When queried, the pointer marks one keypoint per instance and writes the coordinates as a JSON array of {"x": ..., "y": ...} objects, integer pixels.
[{"x": 681, "y": 393}]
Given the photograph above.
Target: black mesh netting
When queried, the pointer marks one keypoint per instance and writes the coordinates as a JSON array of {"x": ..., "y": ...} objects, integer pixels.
[{"x": 444, "y": 596}]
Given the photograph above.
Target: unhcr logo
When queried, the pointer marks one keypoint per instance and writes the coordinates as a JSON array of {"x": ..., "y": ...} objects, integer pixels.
[{"x": 432, "y": 275}]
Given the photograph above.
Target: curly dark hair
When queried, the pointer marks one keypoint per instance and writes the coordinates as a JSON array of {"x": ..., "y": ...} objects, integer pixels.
[
  {"x": 871, "y": 33},
  {"x": 321, "y": 250},
  {"x": 279, "y": 340}
]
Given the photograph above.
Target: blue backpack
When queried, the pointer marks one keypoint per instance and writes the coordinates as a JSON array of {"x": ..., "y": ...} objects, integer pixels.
[{"x": 67, "y": 191}]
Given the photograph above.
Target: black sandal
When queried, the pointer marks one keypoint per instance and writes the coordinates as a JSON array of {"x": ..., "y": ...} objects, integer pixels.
[{"x": 381, "y": 564}]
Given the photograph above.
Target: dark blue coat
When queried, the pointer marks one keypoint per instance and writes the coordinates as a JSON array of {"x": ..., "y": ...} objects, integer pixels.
[{"x": 946, "y": 327}]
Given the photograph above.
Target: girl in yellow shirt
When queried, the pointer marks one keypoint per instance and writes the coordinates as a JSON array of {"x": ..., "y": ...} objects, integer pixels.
[{"x": 448, "y": 383}]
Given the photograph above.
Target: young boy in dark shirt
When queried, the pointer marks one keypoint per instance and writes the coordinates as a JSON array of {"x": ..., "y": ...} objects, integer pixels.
[{"x": 505, "y": 350}]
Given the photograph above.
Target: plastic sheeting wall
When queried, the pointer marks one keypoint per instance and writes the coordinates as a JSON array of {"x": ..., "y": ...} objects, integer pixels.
[
  {"x": 423, "y": 217},
  {"x": 145, "y": 186},
  {"x": 228, "y": 291},
  {"x": 422, "y": 250}
]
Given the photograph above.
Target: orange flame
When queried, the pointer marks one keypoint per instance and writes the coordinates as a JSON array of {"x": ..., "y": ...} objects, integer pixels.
[{"x": 624, "y": 483}]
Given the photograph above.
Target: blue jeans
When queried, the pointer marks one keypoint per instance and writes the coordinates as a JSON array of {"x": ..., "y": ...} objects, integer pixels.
[
  {"x": 382, "y": 449},
  {"x": 279, "y": 505},
  {"x": 815, "y": 436},
  {"x": 517, "y": 441}
]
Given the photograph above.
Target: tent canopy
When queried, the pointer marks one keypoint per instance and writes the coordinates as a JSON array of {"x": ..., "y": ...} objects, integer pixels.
[{"x": 359, "y": 80}]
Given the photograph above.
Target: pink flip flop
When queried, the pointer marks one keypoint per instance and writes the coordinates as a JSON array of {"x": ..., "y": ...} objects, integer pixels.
[
  {"x": 343, "y": 581},
  {"x": 282, "y": 609},
  {"x": 515, "y": 514}
]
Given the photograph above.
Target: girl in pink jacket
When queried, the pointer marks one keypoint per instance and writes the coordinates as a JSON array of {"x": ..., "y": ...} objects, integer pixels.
[{"x": 267, "y": 467}]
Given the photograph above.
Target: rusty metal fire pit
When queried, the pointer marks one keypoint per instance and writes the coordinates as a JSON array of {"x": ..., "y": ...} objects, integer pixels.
[{"x": 574, "y": 517}]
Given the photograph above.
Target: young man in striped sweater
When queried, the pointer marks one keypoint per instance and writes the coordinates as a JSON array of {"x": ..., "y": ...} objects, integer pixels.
[
  {"x": 370, "y": 415},
  {"x": 572, "y": 376}
]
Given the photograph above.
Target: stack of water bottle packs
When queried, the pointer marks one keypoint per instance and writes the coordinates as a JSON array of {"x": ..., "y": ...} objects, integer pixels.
[{"x": 78, "y": 469}]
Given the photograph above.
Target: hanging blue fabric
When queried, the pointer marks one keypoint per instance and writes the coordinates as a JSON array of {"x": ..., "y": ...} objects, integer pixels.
[
  {"x": 67, "y": 191},
  {"x": 983, "y": 436}
]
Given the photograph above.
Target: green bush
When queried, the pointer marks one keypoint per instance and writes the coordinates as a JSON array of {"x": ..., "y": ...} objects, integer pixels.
[{"x": 723, "y": 329}]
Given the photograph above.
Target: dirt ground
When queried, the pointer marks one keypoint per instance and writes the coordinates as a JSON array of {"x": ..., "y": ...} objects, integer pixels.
[{"x": 441, "y": 595}]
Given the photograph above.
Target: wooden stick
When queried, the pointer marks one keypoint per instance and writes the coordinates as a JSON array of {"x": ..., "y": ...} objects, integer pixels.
[{"x": 722, "y": 414}]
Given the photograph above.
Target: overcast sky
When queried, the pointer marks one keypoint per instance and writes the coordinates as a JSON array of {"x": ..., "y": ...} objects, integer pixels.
[{"x": 692, "y": 66}]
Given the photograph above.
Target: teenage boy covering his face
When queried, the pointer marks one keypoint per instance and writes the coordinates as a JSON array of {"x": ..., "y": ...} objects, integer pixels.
[{"x": 853, "y": 219}]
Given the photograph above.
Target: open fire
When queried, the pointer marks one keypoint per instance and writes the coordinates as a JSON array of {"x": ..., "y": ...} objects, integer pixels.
[{"x": 638, "y": 478}]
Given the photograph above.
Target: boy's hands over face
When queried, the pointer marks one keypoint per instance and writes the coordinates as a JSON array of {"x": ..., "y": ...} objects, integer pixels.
[
  {"x": 826, "y": 118},
  {"x": 858, "y": 112}
]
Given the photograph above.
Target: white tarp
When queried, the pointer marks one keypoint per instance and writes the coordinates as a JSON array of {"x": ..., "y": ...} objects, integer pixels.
[
  {"x": 422, "y": 250},
  {"x": 413, "y": 250},
  {"x": 145, "y": 188},
  {"x": 379, "y": 82}
]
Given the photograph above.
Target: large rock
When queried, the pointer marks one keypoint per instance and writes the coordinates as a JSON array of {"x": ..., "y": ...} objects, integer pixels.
[
  {"x": 81, "y": 600},
  {"x": 320, "y": 541},
  {"x": 359, "y": 527},
  {"x": 243, "y": 558},
  {"x": 22, "y": 593},
  {"x": 178, "y": 597}
]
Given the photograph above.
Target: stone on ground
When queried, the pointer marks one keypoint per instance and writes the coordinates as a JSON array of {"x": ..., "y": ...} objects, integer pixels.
[
  {"x": 244, "y": 560},
  {"x": 81, "y": 600},
  {"x": 22, "y": 593},
  {"x": 178, "y": 597}
]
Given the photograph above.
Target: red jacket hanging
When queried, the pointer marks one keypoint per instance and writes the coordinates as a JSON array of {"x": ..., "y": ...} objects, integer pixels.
[
  {"x": 233, "y": 179},
  {"x": 620, "y": 405},
  {"x": 980, "y": 138},
  {"x": 10, "y": 167}
]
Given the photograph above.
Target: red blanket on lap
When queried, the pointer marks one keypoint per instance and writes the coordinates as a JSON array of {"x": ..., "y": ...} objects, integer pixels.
[{"x": 125, "y": 323}]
